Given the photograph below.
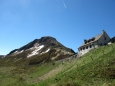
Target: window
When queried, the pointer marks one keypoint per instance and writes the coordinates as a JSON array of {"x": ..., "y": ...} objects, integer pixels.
[
  {"x": 86, "y": 47},
  {"x": 101, "y": 44},
  {"x": 83, "y": 48},
  {"x": 105, "y": 38},
  {"x": 86, "y": 42},
  {"x": 90, "y": 46}
]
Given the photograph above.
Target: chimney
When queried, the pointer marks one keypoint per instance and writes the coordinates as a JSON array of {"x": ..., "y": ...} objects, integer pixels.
[{"x": 103, "y": 31}]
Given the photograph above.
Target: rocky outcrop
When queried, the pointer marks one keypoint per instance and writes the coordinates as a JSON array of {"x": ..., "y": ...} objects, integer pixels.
[
  {"x": 46, "y": 47},
  {"x": 1, "y": 56}
]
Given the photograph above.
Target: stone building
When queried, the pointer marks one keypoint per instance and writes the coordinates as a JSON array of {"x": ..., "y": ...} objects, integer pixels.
[
  {"x": 112, "y": 40},
  {"x": 99, "y": 40}
]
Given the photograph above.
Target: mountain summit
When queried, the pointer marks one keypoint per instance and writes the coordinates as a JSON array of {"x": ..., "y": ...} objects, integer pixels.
[{"x": 47, "y": 47}]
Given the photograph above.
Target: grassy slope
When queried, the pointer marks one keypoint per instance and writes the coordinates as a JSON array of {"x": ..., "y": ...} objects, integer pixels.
[{"x": 96, "y": 68}]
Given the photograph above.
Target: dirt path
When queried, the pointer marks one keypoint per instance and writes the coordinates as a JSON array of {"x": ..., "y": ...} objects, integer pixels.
[
  {"x": 54, "y": 72},
  {"x": 50, "y": 73}
]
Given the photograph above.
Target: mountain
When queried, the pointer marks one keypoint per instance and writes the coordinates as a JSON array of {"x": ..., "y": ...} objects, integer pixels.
[
  {"x": 1, "y": 56},
  {"x": 40, "y": 50},
  {"x": 95, "y": 68}
]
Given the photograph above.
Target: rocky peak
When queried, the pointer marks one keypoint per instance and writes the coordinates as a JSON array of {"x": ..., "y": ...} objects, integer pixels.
[
  {"x": 47, "y": 39},
  {"x": 42, "y": 45}
]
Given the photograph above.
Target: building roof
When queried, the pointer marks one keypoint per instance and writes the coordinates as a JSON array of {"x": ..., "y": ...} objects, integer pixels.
[
  {"x": 112, "y": 39},
  {"x": 91, "y": 40}
]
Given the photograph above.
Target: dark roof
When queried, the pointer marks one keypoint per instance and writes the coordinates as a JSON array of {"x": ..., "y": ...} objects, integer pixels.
[
  {"x": 112, "y": 40},
  {"x": 91, "y": 40}
]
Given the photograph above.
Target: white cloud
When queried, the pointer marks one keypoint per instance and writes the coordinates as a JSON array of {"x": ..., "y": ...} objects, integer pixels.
[{"x": 64, "y": 4}]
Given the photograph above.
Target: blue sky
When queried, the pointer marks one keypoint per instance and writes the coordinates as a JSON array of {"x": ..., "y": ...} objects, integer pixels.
[{"x": 69, "y": 21}]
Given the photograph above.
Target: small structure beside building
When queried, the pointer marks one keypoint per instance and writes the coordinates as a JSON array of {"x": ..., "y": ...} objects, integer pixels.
[
  {"x": 112, "y": 40},
  {"x": 99, "y": 40}
]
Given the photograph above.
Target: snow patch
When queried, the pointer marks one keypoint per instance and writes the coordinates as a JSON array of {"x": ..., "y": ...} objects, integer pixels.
[
  {"x": 46, "y": 51},
  {"x": 34, "y": 47},
  {"x": 18, "y": 52},
  {"x": 35, "y": 51},
  {"x": 21, "y": 51},
  {"x": 15, "y": 51}
]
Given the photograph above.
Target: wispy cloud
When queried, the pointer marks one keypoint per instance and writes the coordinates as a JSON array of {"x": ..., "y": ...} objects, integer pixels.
[{"x": 64, "y": 4}]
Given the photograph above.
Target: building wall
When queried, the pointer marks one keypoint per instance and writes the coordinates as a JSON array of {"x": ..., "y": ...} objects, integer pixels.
[
  {"x": 113, "y": 39},
  {"x": 103, "y": 40},
  {"x": 87, "y": 48}
]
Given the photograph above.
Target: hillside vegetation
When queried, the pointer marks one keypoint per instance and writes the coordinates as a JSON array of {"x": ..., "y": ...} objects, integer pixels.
[{"x": 96, "y": 68}]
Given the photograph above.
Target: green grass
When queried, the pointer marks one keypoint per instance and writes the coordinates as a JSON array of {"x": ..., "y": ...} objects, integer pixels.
[
  {"x": 23, "y": 75},
  {"x": 96, "y": 68},
  {"x": 93, "y": 69}
]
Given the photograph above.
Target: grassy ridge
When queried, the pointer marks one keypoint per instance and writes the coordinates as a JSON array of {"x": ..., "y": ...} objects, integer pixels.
[
  {"x": 23, "y": 75},
  {"x": 96, "y": 68}
]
